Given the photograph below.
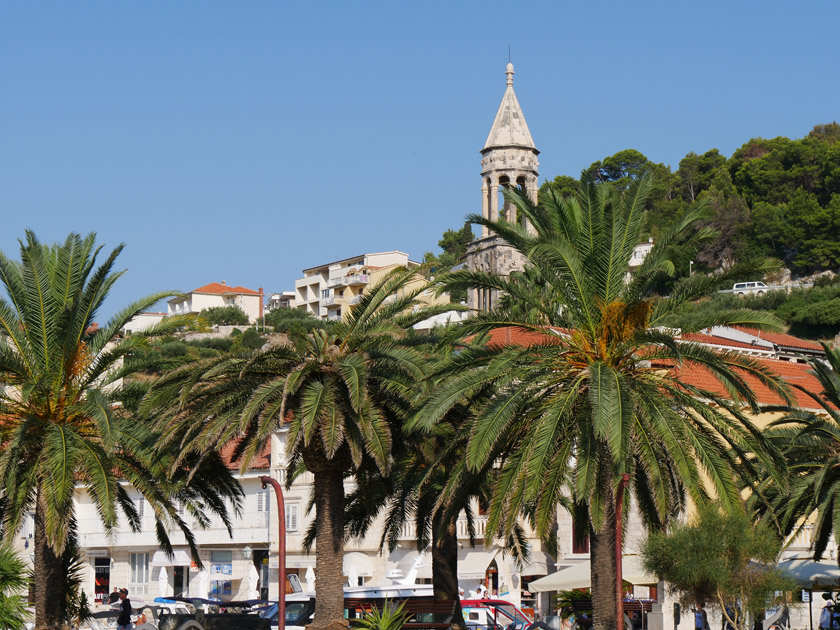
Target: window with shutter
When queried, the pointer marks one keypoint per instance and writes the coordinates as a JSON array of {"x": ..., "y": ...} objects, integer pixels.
[{"x": 291, "y": 517}]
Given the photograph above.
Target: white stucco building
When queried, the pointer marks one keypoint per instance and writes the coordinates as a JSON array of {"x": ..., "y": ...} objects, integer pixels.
[{"x": 218, "y": 294}]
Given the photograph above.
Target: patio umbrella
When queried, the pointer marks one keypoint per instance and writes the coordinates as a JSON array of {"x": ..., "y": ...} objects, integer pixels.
[
  {"x": 579, "y": 576},
  {"x": 163, "y": 582}
]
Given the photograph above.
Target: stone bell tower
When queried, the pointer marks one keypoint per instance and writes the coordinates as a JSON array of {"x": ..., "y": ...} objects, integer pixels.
[{"x": 509, "y": 158}]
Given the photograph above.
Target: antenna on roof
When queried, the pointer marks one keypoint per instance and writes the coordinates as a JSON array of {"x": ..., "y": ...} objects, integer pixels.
[{"x": 508, "y": 53}]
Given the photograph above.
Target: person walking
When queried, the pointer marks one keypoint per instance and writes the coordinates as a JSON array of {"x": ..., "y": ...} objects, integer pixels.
[
  {"x": 124, "y": 618},
  {"x": 701, "y": 621}
]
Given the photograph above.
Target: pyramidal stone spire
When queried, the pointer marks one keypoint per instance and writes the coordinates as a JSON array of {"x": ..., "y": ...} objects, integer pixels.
[{"x": 509, "y": 128}]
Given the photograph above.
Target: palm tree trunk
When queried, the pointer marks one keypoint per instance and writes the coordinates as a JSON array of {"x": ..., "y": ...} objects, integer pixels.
[
  {"x": 603, "y": 567},
  {"x": 50, "y": 595},
  {"x": 445, "y": 565},
  {"x": 329, "y": 549}
]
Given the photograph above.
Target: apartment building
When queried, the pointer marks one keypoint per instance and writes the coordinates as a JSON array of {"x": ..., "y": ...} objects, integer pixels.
[{"x": 329, "y": 291}]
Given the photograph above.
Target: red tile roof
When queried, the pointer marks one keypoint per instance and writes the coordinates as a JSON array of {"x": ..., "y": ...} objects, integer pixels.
[
  {"x": 220, "y": 289},
  {"x": 792, "y": 373},
  {"x": 261, "y": 462},
  {"x": 781, "y": 339},
  {"x": 515, "y": 336}
]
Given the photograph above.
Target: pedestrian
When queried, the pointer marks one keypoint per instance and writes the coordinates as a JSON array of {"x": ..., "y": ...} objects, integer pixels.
[
  {"x": 828, "y": 618},
  {"x": 114, "y": 597},
  {"x": 701, "y": 621},
  {"x": 124, "y": 618}
]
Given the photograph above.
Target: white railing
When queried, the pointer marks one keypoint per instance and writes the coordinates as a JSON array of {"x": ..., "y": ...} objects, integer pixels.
[
  {"x": 328, "y": 301},
  {"x": 409, "y": 530},
  {"x": 355, "y": 299},
  {"x": 801, "y": 539},
  {"x": 346, "y": 281}
]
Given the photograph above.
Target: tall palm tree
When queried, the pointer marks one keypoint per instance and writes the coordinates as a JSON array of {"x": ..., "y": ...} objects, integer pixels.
[
  {"x": 62, "y": 424},
  {"x": 592, "y": 394},
  {"x": 810, "y": 439},
  {"x": 339, "y": 392}
]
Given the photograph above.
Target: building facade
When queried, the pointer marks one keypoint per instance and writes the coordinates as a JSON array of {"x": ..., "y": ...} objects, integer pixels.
[
  {"x": 218, "y": 294},
  {"x": 329, "y": 291}
]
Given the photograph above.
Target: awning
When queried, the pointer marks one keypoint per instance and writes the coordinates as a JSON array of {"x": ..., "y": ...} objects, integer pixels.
[
  {"x": 535, "y": 567},
  {"x": 475, "y": 563},
  {"x": 579, "y": 576},
  {"x": 811, "y": 574},
  {"x": 294, "y": 561},
  {"x": 362, "y": 562},
  {"x": 181, "y": 559}
]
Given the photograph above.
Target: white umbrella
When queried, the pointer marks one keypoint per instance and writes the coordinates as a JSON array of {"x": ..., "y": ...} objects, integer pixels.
[
  {"x": 310, "y": 579},
  {"x": 579, "y": 576},
  {"x": 811, "y": 574},
  {"x": 253, "y": 582},
  {"x": 203, "y": 584},
  {"x": 352, "y": 576},
  {"x": 163, "y": 582}
]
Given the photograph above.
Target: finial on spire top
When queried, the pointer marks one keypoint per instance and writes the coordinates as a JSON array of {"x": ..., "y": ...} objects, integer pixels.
[{"x": 509, "y": 73}]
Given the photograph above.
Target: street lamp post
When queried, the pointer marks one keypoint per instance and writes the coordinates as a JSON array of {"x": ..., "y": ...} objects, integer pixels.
[
  {"x": 619, "y": 526},
  {"x": 281, "y": 549}
]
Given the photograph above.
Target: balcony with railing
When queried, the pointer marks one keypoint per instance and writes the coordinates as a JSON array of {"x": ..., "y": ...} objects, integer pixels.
[
  {"x": 354, "y": 300},
  {"x": 409, "y": 529},
  {"x": 801, "y": 539},
  {"x": 352, "y": 280},
  {"x": 328, "y": 301}
]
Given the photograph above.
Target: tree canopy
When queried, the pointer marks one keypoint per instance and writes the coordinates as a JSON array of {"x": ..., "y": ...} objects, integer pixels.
[{"x": 777, "y": 197}]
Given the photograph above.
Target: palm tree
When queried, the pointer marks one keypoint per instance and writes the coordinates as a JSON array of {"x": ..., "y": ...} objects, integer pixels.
[
  {"x": 340, "y": 392},
  {"x": 13, "y": 581},
  {"x": 593, "y": 394},
  {"x": 63, "y": 424},
  {"x": 810, "y": 439}
]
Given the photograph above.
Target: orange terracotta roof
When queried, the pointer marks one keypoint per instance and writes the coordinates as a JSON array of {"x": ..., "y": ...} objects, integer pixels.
[
  {"x": 793, "y": 373},
  {"x": 261, "y": 462},
  {"x": 714, "y": 340},
  {"x": 515, "y": 336},
  {"x": 781, "y": 339},
  {"x": 220, "y": 289}
]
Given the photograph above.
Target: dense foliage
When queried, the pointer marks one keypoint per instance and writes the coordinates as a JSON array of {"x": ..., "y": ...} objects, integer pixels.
[
  {"x": 293, "y": 321},
  {"x": 225, "y": 316},
  {"x": 778, "y": 197},
  {"x": 812, "y": 313},
  {"x": 13, "y": 582},
  {"x": 722, "y": 559}
]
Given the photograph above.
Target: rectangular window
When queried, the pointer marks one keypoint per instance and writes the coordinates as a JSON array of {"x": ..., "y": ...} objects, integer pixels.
[
  {"x": 139, "y": 505},
  {"x": 580, "y": 538},
  {"x": 263, "y": 504},
  {"x": 291, "y": 517},
  {"x": 139, "y": 568},
  {"x": 325, "y": 293}
]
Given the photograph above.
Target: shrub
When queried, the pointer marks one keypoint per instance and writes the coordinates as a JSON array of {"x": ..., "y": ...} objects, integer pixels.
[
  {"x": 222, "y": 344},
  {"x": 174, "y": 349},
  {"x": 252, "y": 339},
  {"x": 225, "y": 316}
]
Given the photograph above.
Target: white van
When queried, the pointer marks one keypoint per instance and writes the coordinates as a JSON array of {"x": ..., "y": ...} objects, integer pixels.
[{"x": 743, "y": 288}]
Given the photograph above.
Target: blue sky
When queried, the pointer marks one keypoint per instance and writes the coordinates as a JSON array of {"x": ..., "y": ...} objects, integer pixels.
[{"x": 244, "y": 141}]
